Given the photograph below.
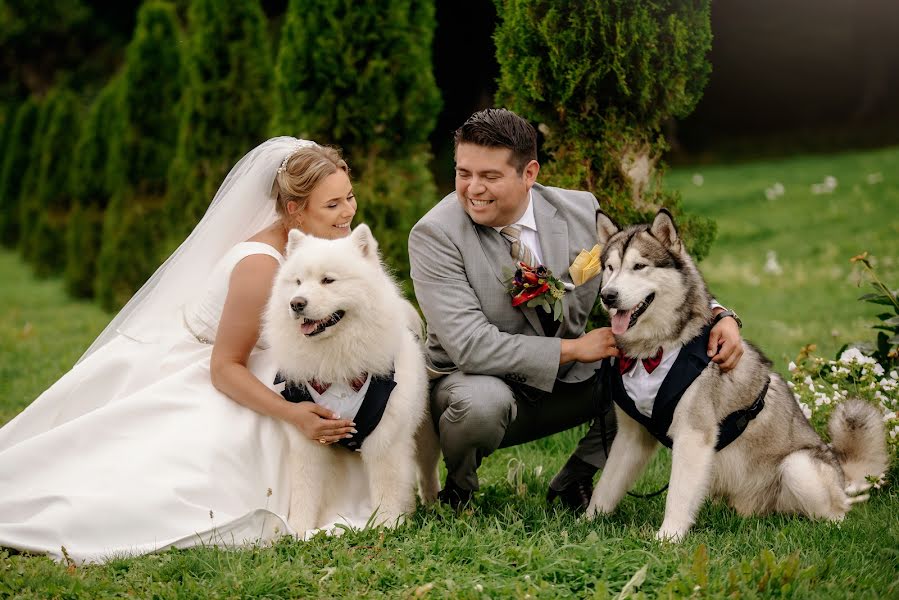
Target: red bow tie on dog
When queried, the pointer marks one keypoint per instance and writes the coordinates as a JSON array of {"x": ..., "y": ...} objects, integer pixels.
[
  {"x": 356, "y": 384},
  {"x": 626, "y": 363}
]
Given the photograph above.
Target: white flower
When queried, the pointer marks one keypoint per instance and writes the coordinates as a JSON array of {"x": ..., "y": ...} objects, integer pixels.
[
  {"x": 791, "y": 367},
  {"x": 894, "y": 375},
  {"x": 807, "y": 380},
  {"x": 874, "y": 178},
  {"x": 698, "y": 180},
  {"x": 791, "y": 384},
  {"x": 889, "y": 416},
  {"x": 479, "y": 587},
  {"x": 878, "y": 370}
]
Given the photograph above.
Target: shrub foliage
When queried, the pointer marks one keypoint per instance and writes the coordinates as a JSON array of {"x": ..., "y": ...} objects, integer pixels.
[
  {"x": 91, "y": 183},
  {"x": 359, "y": 76},
  {"x": 133, "y": 227},
  {"x": 15, "y": 164},
  {"x": 601, "y": 78},
  {"x": 46, "y": 203},
  {"x": 226, "y": 104}
]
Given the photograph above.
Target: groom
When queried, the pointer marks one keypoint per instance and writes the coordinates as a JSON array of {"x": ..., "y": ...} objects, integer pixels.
[{"x": 507, "y": 375}]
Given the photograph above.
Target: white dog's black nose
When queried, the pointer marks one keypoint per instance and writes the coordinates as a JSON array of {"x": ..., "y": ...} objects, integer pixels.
[
  {"x": 609, "y": 297},
  {"x": 298, "y": 304}
]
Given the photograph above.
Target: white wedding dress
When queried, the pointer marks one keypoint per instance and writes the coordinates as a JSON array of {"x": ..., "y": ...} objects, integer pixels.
[{"x": 134, "y": 450}]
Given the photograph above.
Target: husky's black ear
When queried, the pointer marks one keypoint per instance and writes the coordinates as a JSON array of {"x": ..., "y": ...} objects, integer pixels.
[
  {"x": 605, "y": 227},
  {"x": 294, "y": 240},
  {"x": 663, "y": 229},
  {"x": 365, "y": 241}
]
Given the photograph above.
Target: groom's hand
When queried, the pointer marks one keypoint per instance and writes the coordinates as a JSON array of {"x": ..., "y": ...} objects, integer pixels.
[
  {"x": 725, "y": 344},
  {"x": 592, "y": 346}
]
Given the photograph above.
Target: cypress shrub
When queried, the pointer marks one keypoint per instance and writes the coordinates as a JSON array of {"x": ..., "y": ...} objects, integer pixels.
[
  {"x": 90, "y": 182},
  {"x": 601, "y": 78},
  {"x": 139, "y": 151},
  {"x": 43, "y": 232},
  {"x": 359, "y": 76},
  {"x": 226, "y": 105},
  {"x": 7, "y": 114},
  {"x": 15, "y": 164},
  {"x": 30, "y": 175}
]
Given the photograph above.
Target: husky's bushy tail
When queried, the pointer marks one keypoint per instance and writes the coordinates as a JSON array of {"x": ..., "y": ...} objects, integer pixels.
[{"x": 858, "y": 437}]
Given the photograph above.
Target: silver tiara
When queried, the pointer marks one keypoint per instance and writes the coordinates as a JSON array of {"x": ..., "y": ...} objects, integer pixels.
[{"x": 299, "y": 146}]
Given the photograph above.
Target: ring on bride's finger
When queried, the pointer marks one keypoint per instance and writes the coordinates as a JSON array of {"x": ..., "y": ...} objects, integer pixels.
[{"x": 322, "y": 440}]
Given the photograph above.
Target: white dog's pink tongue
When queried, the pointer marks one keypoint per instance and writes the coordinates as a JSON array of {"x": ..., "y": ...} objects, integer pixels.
[
  {"x": 620, "y": 321},
  {"x": 308, "y": 327}
]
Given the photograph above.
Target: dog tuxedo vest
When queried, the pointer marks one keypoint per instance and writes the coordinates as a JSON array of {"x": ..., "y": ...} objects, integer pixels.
[
  {"x": 370, "y": 411},
  {"x": 690, "y": 362}
]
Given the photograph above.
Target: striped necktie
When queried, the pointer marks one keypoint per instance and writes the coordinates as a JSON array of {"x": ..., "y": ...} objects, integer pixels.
[{"x": 520, "y": 252}]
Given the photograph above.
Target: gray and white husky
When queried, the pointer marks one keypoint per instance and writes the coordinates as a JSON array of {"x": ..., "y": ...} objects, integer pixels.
[
  {"x": 777, "y": 463},
  {"x": 335, "y": 313}
]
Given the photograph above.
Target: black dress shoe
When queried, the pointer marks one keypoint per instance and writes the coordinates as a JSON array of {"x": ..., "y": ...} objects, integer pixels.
[
  {"x": 574, "y": 496},
  {"x": 573, "y": 485},
  {"x": 453, "y": 495}
]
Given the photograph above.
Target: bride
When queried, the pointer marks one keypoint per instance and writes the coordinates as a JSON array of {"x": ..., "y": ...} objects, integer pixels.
[{"x": 168, "y": 432}]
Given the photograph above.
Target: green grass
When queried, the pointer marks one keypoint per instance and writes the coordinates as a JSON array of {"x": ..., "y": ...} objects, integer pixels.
[
  {"x": 509, "y": 544},
  {"x": 813, "y": 236}
]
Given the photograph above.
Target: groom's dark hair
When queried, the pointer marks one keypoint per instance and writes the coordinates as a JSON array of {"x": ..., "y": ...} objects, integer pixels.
[{"x": 500, "y": 128}]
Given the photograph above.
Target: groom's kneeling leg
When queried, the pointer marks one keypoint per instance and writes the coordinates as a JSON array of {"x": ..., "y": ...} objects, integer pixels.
[{"x": 472, "y": 413}]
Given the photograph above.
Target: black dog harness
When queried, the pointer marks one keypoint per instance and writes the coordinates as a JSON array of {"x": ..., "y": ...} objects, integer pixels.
[
  {"x": 688, "y": 365},
  {"x": 370, "y": 412}
]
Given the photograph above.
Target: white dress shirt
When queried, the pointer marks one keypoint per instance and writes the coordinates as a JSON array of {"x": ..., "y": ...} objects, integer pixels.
[
  {"x": 643, "y": 387},
  {"x": 341, "y": 398},
  {"x": 528, "y": 226}
]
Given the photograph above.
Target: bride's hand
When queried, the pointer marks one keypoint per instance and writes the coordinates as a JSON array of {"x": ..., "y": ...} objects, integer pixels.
[{"x": 320, "y": 424}]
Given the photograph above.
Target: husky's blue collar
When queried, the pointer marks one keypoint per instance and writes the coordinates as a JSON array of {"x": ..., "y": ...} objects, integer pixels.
[
  {"x": 370, "y": 412},
  {"x": 688, "y": 365}
]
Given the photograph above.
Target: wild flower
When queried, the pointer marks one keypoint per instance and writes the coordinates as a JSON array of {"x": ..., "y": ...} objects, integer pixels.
[{"x": 820, "y": 385}]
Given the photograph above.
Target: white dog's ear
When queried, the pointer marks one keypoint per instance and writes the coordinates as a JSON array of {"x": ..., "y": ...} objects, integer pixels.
[
  {"x": 605, "y": 227},
  {"x": 294, "y": 240},
  {"x": 365, "y": 241},
  {"x": 663, "y": 229}
]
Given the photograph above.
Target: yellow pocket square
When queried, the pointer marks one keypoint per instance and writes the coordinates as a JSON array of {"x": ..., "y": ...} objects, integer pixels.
[{"x": 585, "y": 266}]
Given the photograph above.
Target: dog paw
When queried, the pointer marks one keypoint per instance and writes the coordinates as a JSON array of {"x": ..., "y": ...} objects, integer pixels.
[
  {"x": 672, "y": 535},
  {"x": 594, "y": 510}
]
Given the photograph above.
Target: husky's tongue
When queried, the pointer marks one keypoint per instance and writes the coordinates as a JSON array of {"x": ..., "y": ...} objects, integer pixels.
[{"x": 620, "y": 321}]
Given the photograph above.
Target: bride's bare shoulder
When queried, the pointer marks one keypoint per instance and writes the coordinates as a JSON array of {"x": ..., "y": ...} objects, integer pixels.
[{"x": 274, "y": 236}]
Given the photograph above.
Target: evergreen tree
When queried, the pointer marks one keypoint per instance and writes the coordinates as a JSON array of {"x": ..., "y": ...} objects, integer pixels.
[
  {"x": 31, "y": 173},
  {"x": 14, "y": 166},
  {"x": 226, "y": 102},
  {"x": 47, "y": 209},
  {"x": 601, "y": 77},
  {"x": 140, "y": 147},
  {"x": 359, "y": 76},
  {"x": 91, "y": 185}
]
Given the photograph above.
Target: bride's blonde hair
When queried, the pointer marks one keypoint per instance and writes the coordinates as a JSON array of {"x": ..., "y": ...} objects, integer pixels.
[{"x": 302, "y": 172}]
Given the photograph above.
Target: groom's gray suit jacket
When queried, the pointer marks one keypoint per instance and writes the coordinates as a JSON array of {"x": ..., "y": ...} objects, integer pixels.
[{"x": 459, "y": 270}]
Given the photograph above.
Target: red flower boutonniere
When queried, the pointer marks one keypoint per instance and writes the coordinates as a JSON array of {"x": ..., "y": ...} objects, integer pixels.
[{"x": 536, "y": 286}]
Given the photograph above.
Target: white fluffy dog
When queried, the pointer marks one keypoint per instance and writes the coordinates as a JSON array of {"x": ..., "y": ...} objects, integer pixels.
[{"x": 334, "y": 314}]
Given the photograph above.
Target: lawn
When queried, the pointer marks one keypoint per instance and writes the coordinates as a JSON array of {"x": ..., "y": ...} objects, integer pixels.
[{"x": 509, "y": 544}]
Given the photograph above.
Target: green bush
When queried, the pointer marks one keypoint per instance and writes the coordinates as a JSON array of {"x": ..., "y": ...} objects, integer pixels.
[
  {"x": 91, "y": 185},
  {"x": 30, "y": 175},
  {"x": 391, "y": 198},
  {"x": 226, "y": 104},
  {"x": 140, "y": 147},
  {"x": 47, "y": 208},
  {"x": 601, "y": 78},
  {"x": 359, "y": 76},
  {"x": 15, "y": 164}
]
